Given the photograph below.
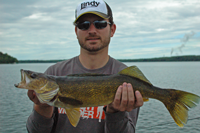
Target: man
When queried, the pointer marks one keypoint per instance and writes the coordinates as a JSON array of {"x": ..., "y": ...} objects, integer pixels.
[{"x": 94, "y": 27}]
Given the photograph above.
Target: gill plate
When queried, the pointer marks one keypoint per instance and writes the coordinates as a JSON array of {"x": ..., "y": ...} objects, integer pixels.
[{"x": 46, "y": 97}]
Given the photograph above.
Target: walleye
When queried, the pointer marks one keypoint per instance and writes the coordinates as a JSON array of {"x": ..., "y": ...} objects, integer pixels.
[{"x": 88, "y": 90}]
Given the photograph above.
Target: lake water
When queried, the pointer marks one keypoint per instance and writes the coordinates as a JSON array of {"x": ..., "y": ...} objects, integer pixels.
[{"x": 15, "y": 105}]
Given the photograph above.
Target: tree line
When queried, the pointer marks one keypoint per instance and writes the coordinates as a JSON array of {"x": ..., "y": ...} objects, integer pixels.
[
  {"x": 5, "y": 59},
  {"x": 161, "y": 59},
  {"x": 165, "y": 59}
]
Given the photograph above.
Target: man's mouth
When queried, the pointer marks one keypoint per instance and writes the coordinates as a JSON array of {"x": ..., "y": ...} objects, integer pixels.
[{"x": 92, "y": 38}]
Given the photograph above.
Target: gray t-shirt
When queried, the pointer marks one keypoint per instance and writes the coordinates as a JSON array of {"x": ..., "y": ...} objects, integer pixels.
[{"x": 93, "y": 119}]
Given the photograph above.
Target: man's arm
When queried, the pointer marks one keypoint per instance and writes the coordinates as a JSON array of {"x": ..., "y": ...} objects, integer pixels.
[
  {"x": 41, "y": 119},
  {"x": 117, "y": 117},
  {"x": 42, "y": 109}
]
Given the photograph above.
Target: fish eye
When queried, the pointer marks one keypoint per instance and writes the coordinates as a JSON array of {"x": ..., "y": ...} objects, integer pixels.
[{"x": 33, "y": 75}]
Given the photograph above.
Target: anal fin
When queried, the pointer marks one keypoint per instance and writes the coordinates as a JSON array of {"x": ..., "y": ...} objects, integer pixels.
[
  {"x": 73, "y": 115},
  {"x": 145, "y": 99}
]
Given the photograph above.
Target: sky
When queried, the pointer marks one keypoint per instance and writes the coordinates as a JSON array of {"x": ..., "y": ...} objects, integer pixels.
[{"x": 44, "y": 30}]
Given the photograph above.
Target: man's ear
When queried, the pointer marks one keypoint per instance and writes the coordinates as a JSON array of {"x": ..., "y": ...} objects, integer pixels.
[
  {"x": 76, "y": 30},
  {"x": 113, "y": 29}
]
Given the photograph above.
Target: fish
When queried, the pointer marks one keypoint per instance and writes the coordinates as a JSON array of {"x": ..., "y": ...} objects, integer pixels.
[{"x": 74, "y": 91}]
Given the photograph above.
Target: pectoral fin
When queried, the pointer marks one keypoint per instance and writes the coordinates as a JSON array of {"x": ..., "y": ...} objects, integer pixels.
[
  {"x": 73, "y": 115},
  {"x": 88, "y": 74},
  {"x": 69, "y": 100}
]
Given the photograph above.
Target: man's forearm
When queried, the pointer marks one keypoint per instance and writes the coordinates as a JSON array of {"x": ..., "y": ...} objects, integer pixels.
[
  {"x": 119, "y": 122},
  {"x": 44, "y": 110},
  {"x": 37, "y": 123}
]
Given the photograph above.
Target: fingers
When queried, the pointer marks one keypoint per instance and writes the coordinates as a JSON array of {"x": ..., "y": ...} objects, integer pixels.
[
  {"x": 139, "y": 99},
  {"x": 118, "y": 96},
  {"x": 32, "y": 96},
  {"x": 131, "y": 98},
  {"x": 125, "y": 99},
  {"x": 114, "y": 106},
  {"x": 128, "y": 98}
]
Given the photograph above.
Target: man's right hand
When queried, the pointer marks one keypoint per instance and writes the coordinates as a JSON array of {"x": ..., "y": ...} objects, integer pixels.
[{"x": 43, "y": 109}]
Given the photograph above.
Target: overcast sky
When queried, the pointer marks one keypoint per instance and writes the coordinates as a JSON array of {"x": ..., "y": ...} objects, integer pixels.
[{"x": 43, "y": 29}]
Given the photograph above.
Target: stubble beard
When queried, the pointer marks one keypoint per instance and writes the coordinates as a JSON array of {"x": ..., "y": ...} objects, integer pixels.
[{"x": 103, "y": 44}]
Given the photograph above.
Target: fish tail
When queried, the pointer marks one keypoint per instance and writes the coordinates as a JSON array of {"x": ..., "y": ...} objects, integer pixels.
[{"x": 178, "y": 103}]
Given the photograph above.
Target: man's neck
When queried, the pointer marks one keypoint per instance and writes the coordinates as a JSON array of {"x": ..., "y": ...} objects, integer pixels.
[{"x": 94, "y": 60}]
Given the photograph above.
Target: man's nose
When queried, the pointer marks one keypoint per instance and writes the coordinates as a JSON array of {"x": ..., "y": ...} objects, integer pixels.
[{"x": 92, "y": 28}]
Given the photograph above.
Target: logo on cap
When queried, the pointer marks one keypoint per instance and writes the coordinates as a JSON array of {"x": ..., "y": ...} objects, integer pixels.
[{"x": 91, "y": 4}]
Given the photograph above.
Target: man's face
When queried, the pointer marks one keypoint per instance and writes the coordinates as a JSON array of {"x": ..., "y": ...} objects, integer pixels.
[{"x": 94, "y": 39}]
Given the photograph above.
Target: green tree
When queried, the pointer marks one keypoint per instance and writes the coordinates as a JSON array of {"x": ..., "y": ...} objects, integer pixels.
[{"x": 5, "y": 58}]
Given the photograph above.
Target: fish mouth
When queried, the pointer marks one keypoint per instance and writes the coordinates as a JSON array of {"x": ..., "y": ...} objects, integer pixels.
[{"x": 24, "y": 80}]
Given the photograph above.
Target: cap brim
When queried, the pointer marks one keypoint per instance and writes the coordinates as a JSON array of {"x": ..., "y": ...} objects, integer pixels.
[{"x": 104, "y": 16}]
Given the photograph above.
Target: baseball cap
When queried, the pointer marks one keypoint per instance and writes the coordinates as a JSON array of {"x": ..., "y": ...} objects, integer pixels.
[{"x": 97, "y": 7}]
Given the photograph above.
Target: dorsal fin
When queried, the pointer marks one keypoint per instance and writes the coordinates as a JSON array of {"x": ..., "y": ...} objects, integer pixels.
[
  {"x": 87, "y": 74},
  {"x": 135, "y": 72}
]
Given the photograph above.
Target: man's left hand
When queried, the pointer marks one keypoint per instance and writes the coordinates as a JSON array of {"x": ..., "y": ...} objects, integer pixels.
[{"x": 125, "y": 100}]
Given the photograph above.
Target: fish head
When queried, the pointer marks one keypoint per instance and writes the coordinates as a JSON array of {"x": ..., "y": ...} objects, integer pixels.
[{"x": 38, "y": 82}]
